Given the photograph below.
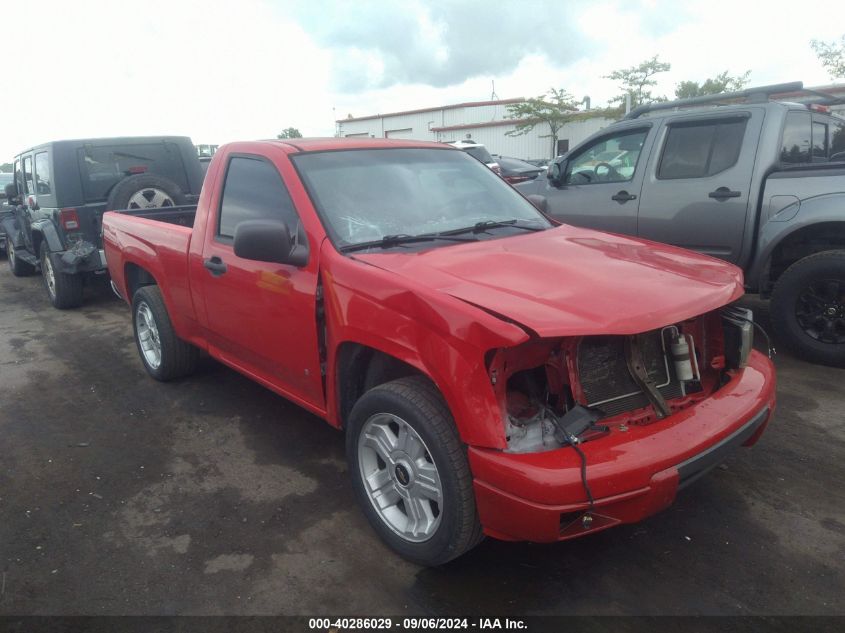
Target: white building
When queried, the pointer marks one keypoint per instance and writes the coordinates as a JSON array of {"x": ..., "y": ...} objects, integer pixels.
[{"x": 480, "y": 121}]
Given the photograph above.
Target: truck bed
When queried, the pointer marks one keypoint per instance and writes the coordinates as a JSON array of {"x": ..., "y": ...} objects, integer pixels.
[
  {"x": 182, "y": 215},
  {"x": 158, "y": 241}
]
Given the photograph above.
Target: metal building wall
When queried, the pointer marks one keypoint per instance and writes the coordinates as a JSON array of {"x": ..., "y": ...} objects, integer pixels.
[{"x": 418, "y": 126}]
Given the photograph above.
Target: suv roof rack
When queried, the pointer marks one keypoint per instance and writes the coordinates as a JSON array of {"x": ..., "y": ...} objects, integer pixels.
[{"x": 759, "y": 94}]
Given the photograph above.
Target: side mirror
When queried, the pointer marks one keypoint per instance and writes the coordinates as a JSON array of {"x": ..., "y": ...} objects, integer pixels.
[
  {"x": 557, "y": 172},
  {"x": 268, "y": 241},
  {"x": 11, "y": 191}
]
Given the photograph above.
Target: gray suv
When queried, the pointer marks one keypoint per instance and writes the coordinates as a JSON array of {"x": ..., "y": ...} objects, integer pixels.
[{"x": 756, "y": 182}]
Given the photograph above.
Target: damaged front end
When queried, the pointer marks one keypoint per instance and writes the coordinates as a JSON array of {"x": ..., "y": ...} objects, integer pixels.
[{"x": 561, "y": 391}]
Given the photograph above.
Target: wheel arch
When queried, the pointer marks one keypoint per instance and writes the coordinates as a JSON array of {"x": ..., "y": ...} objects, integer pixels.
[
  {"x": 797, "y": 244},
  {"x": 135, "y": 277},
  {"x": 358, "y": 367}
]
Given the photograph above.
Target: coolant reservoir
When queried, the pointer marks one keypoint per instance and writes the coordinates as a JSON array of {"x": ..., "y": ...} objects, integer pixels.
[{"x": 679, "y": 349}]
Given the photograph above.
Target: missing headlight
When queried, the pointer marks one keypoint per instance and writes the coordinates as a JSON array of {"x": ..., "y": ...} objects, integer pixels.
[{"x": 738, "y": 327}]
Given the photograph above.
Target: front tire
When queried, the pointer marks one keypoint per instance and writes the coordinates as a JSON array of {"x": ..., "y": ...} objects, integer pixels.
[
  {"x": 410, "y": 471},
  {"x": 18, "y": 267},
  {"x": 64, "y": 291},
  {"x": 165, "y": 356},
  {"x": 808, "y": 308}
]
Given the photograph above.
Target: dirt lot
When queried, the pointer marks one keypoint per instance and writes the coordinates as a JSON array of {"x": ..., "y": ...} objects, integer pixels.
[{"x": 120, "y": 495}]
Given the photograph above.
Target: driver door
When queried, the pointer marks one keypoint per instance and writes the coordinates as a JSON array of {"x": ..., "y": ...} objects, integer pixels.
[{"x": 602, "y": 182}]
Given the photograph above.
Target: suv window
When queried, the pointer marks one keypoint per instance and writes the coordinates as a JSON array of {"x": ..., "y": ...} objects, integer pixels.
[
  {"x": 18, "y": 177},
  {"x": 611, "y": 159},
  {"x": 795, "y": 147},
  {"x": 700, "y": 149},
  {"x": 27, "y": 175},
  {"x": 103, "y": 166},
  {"x": 254, "y": 190},
  {"x": 42, "y": 174}
]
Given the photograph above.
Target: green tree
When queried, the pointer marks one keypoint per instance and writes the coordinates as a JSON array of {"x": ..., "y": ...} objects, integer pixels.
[
  {"x": 831, "y": 55},
  {"x": 722, "y": 82},
  {"x": 638, "y": 80},
  {"x": 6, "y": 167},
  {"x": 290, "y": 132},
  {"x": 553, "y": 109}
]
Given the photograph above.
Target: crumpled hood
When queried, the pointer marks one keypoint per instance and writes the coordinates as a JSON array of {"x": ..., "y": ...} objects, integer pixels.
[{"x": 569, "y": 281}]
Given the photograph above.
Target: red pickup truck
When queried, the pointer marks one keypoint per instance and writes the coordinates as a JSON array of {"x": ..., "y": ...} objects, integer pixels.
[{"x": 495, "y": 373}]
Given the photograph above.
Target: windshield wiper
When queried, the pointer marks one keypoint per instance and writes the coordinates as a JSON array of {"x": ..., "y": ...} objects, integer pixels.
[
  {"x": 395, "y": 240},
  {"x": 480, "y": 227}
]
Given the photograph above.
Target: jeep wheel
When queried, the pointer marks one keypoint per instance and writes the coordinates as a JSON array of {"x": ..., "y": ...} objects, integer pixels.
[
  {"x": 808, "y": 308},
  {"x": 64, "y": 291},
  {"x": 145, "y": 191},
  {"x": 410, "y": 471},
  {"x": 18, "y": 267},
  {"x": 164, "y": 354}
]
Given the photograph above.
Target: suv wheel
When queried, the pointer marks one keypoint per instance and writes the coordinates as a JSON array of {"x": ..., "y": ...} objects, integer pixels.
[
  {"x": 64, "y": 291},
  {"x": 808, "y": 308},
  {"x": 145, "y": 191},
  {"x": 18, "y": 267},
  {"x": 410, "y": 471},
  {"x": 164, "y": 354}
]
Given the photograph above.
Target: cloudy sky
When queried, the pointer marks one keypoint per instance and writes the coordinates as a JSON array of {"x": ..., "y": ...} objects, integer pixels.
[{"x": 242, "y": 69}]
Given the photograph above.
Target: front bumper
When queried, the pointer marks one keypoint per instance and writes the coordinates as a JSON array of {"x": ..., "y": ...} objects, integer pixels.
[{"x": 632, "y": 474}]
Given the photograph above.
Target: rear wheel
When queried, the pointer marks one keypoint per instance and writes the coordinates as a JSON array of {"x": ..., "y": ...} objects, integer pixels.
[
  {"x": 410, "y": 471},
  {"x": 18, "y": 267},
  {"x": 164, "y": 354},
  {"x": 64, "y": 291},
  {"x": 808, "y": 308}
]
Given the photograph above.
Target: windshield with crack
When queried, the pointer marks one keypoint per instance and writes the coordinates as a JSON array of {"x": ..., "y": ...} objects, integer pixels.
[{"x": 365, "y": 195}]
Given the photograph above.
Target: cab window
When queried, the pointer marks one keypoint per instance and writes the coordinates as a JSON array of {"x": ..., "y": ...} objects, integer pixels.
[
  {"x": 253, "y": 191},
  {"x": 701, "y": 148},
  {"x": 795, "y": 147},
  {"x": 610, "y": 159}
]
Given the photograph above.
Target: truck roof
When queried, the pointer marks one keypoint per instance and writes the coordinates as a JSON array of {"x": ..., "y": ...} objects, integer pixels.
[{"x": 337, "y": 143}]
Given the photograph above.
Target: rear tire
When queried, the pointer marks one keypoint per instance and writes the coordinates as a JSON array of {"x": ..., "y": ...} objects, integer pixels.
[
  {"x": 165, "y": 356},
  {"x": 18, "y": 267},
  {"x": 63, "y": 290},
  {"x": 404, "y": 454},
  {"x": 808, "y": 308}
]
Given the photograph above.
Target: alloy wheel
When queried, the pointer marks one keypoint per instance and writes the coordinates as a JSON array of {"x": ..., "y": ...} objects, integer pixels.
[{"x": 400, "y": 478}]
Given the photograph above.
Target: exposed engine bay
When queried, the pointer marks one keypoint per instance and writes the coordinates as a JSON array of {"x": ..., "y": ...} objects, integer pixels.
[{"x": 561, "y": 391}]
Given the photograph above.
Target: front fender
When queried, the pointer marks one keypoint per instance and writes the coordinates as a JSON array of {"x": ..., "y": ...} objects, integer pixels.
[
  {"x": 442, "y": 337},
  {"x": 12, "y": 231}
]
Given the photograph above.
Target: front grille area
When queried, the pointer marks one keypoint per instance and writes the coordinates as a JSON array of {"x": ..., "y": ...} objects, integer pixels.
[{"x": 606, "y": 381}]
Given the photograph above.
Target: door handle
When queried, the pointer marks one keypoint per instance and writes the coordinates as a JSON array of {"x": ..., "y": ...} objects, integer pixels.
[
  {"x": 723, "y": 193},
  {"x": 623, "y": 196},
  {"x": 216, "y": 265}
]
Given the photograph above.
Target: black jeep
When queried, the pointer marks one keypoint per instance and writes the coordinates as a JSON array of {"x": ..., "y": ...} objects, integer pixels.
[{"x": 61, "y": 190}]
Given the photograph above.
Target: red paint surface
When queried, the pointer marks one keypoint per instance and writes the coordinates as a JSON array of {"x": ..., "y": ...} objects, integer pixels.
[{"x": 441, "y": 311}]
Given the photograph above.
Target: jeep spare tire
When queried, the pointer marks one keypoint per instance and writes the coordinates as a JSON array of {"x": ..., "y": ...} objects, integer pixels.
[{"x": 145, "y": 191}]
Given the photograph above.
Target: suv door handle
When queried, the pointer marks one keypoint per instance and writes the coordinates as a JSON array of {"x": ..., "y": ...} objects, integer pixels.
[
  {"x": 723, "y": 193},
  {"x": 216, "y": 265},
  {"x": 623, "y": 196}
]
